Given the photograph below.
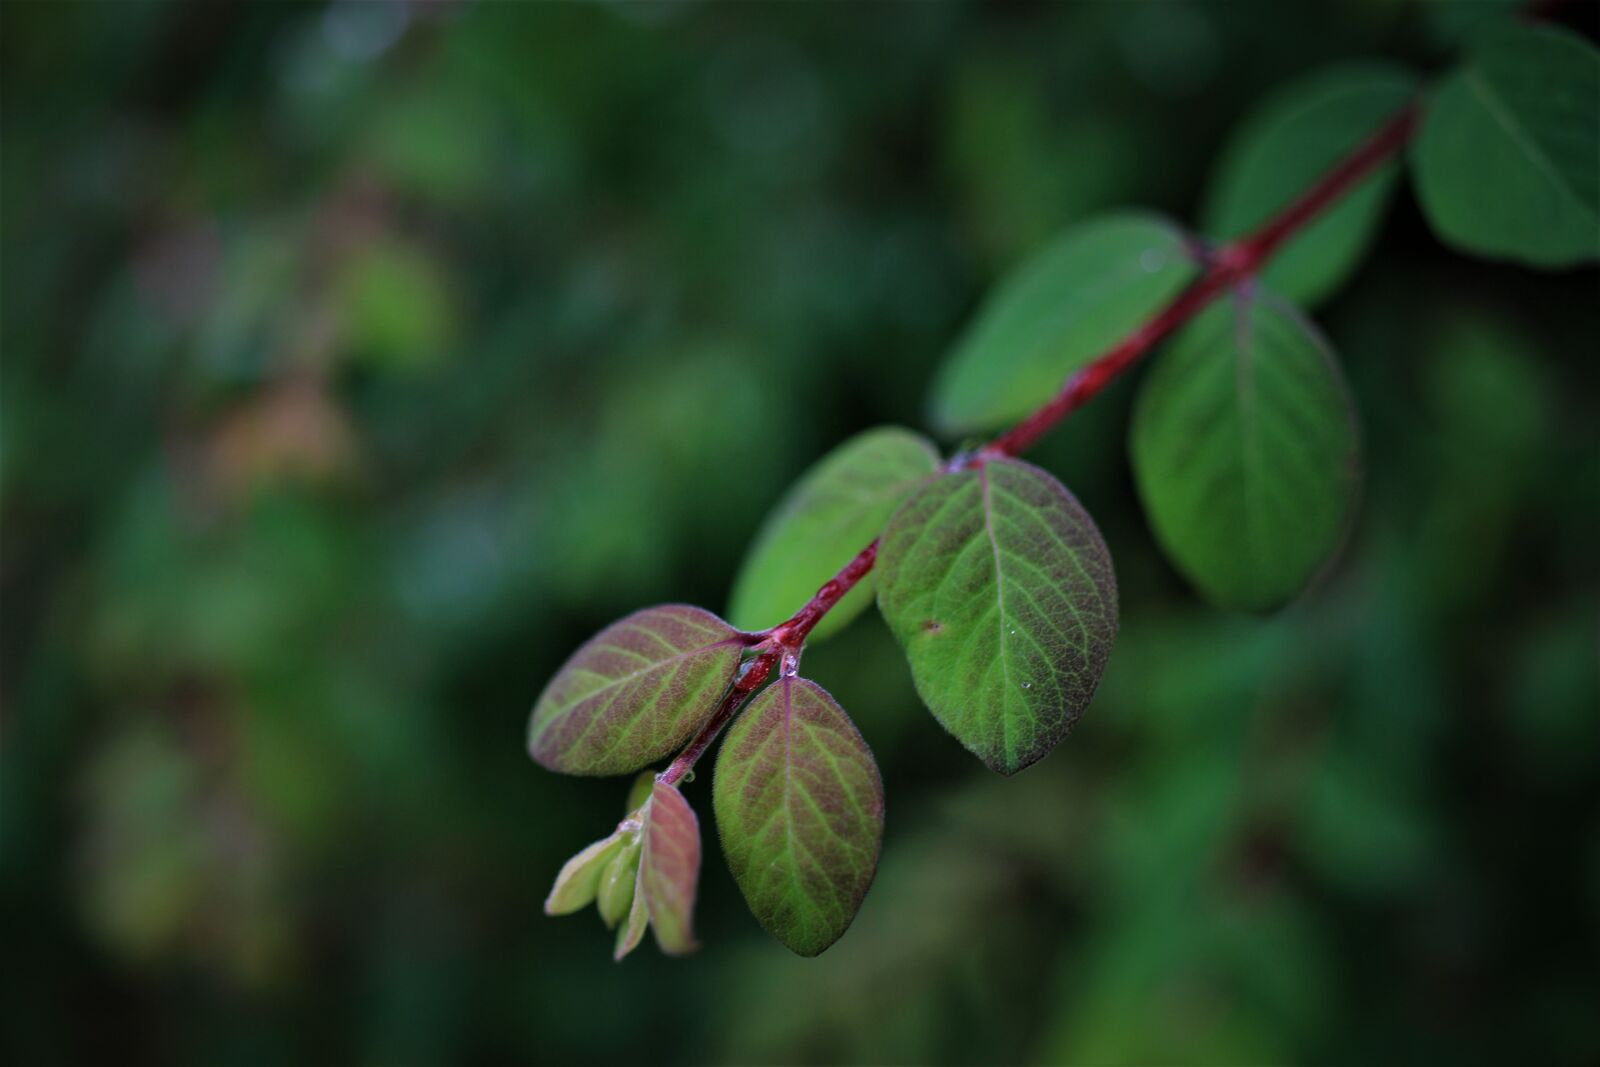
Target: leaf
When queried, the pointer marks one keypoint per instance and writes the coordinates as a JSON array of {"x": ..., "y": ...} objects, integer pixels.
[
  {"x": 669, "y": 871},
  {"x": 630, "y": 933},
  {"x": 999, "y": 588},
  {"x": 836, "y": 508},
  {"x": 635, "y": 692},
  {"x": 1508, "y": 158},
  {"x": 1094, "y": 285},
  {"x": 1245, "y": 454},
  {"x": 579, "y": 880},
  {"x": 1287, "y": 144},
  {"x": 1449, "y": 22},
  {"x": 643, "y": 787},
  {"x": 799, "y": 805},
  {"x": 619, "y": 883}
]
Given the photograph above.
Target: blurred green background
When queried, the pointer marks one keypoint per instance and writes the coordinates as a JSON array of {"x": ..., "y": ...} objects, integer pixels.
[{"x": 360, "y": 360}]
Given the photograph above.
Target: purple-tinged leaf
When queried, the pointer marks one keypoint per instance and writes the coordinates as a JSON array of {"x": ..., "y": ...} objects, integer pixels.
[
  {"x": 635, "y": 692},
  {"x": 670, "y": 871},
  {"x": 1000, "y": 589},
  {"x": 799, "y": 805},
  {"x": 646, "y": 872}
]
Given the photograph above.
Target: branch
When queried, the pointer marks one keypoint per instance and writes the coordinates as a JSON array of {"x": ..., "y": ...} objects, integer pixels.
[
  {"x": 751, "y": 676},
  {"x": 1225, "y": 268}
]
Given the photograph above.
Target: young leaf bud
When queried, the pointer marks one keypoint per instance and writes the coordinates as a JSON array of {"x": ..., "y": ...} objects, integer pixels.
[
  {"x": 618, "y": 882},
  {"x": 580, "y": 878},
  {"x": 640, "y": 790}
]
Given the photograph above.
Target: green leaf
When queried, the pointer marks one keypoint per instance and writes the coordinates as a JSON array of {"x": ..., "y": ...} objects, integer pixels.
[
  {"x": 998, "y": 586},
  {"x": 1094, "y": 285},
  {"x": 643, "y": 787},
  {"x": 619, "y": 883},
  {"x": 1245, "y": 453},
  {"x": 635, "y": 692},
  {"x": 1508, "y": 158},
  {"x": 1449, "y": 22},
  {"x": 1296, "y": 135},
  {"x": 580, "y": 878},
  {"x": 669, "y": 871},
  {"x": 631, "y": 932},
  {"x": 834, "y": 510},
  {"x": 799, "y": 805}
]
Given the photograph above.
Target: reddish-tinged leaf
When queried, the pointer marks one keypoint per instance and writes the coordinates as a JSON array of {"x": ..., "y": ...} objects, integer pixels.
[
  {"x": 1000, "y": 590},
  {"x": 799, "y": 806},
  {"x": 670, "y": 870},
  {"x": 635, "y": 692}
]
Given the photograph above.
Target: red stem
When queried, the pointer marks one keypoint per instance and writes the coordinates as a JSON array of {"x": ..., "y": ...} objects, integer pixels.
[
  {"x": 754, "y": 673},
  {"x": 1225, "y": 268}
]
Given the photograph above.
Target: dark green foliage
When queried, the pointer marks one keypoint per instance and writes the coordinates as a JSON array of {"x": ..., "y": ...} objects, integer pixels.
[
  {"x": 1287, "y": 143},
  {"x": 360, "y": 361},
  {"x": 1506, "y": 159},
  {"x": 1244, "y": 447}
]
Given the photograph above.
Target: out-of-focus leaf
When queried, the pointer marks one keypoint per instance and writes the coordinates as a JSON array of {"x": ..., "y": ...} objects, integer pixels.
[
  {"x": 669, "y": 871},
  {"x": 1449, "y": 21},
  {"x": 1485, "y": 412},
  {"x": 1001, "y": 591},
  {"x": 1285, "y": 145},
  {"x": 799, "y": 806},
  {"x": 1058, "y": 311},
  {"x": 634, "y": 692},
  {"x": 1508, "y": 157},
  {"x": 831, "y": 513},
  {"x": 1245, "y": 454},
  {"x": 1362, "y": 831},
  {"x": 1208, "y": 980},
  {"x": 1554, "y": 696},
  {"x": 1015, "y": 154},
  {"x": 398, "y": 306}
]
